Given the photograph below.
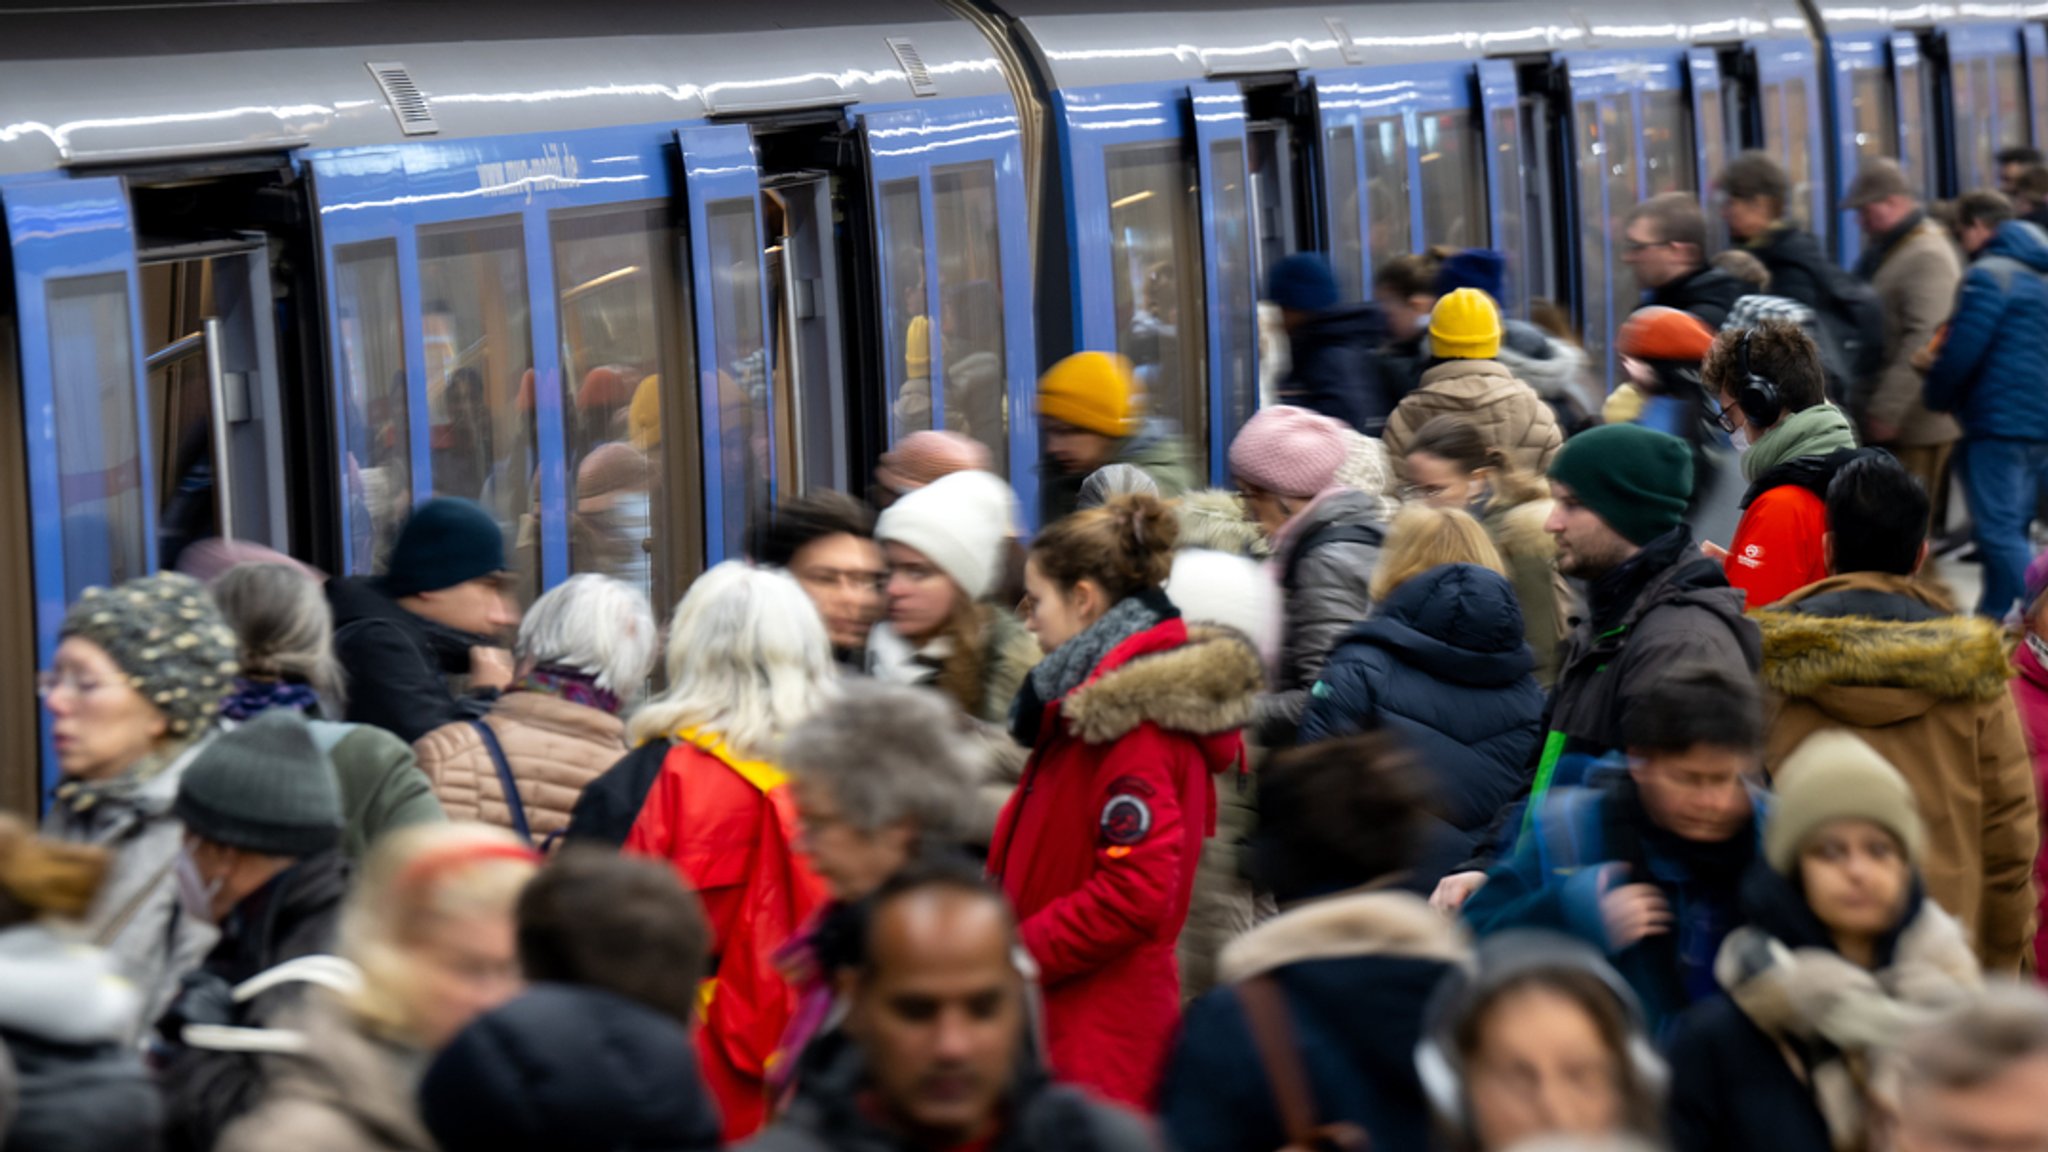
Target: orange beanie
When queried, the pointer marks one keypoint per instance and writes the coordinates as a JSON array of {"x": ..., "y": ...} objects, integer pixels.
[{"x": 1657, "y": 333}]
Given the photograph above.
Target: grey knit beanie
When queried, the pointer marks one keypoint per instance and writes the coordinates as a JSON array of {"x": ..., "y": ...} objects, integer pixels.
[
  {"x": 168, "y": 637},
  {"x": 264, "y": 787}
]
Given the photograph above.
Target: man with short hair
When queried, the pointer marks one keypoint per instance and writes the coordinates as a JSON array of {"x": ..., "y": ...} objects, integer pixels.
[
  {"x": 1664, "y": 243},
  {"x": 1773, "y": 397},
  {"x": 423, "y": 644},
  {"x": 1974, "y": 1079},
  {"x": 1647, "y": 865},
  {"x": 1910, "y": 261},
  {"x": 2030, "y": 195},
  {"x": 1757, "y": 204},
  {"x": 827, "y": 541},
  {"x": 625, "y": 924},
  {"x": 1876, "y": 651},
  {"x": 941, "y": 1054},
  {"x": 1991, "y": 372},
  {"x": 2012, "y": 162}
]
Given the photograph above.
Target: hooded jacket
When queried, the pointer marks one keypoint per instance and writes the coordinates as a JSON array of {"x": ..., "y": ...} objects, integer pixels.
[
  {"x": 1509, "y": 413},
  {"x": 66, "y": 1020},
  {"x": 554, "y": 747},
  {"x": 1886, "y": 658},
  {"x": 1442, "y": 665},
  {"x": 1777, "y": 544},
  {"x": 1916, "y": 278},
  {"x": 1784, "y": 1061},
  {"x": 1098, "y": 849},
  {"x": 348, "y": 1091},
  {"x": 403, "y": 670},
  {"x": 2030, "y": 692},
  {"x": 1707, "y": 292},
  {"x": 1554, "y": 368},
  {"x": 1990, "y": 372},
  {"x": 1335, "y": 367},
  {"x": 1356, "y": 972},
  {"x": 1331, "y": 592}
]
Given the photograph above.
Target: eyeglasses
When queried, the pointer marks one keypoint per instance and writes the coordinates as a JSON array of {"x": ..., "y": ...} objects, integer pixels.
[
  {"x": 1730, "y": 418},
  {"x": 49, "y": 680}
]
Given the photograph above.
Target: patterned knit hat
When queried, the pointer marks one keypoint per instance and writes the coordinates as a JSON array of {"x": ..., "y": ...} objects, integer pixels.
[
  {"x": 170, "y": 640},
  {"x": 1289, "y": 451}
]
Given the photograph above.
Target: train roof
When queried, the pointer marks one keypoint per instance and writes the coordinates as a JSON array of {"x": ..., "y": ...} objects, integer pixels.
[{"x": 132, "y": 83}]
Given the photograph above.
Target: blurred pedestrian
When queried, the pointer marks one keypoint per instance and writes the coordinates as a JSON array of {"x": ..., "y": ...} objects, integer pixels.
[
  {"x": 1839, "y": 952},
  {"x": 132, "y": 694},
  {"x": 922, "y": 457},
  {"x": 2030, "y": 692},
  {"x": 1112, "y": 480},
  {"x": 284, "y": 631},
  {"x": 1325, "y": 540},
  {"x": 827, "y": 541},
  {"x": 1757, "y": 205},
  {"x": 620, "y": 924},
  {"x": 1555, "y": 367},
  {"x": 1661, "y": 352},
  {"x": 941, "y": 1052},
  {"x": 748, "y": 661},
  {"x": 1333, "y": 347},
  {"x": 1404, "y": 287},
  {"x": 1342, "y": 973},
  {"x": 1664, "y": 243},
  {"x": 584, "y": 653},
  {"x": 422, "y": 644},
  {"x": 429, "y": 925},
  {"x": 2013, "y": 163},
  {"x": 1973, "y": 1078},
  {"x": 1466, "y": 378},
  {"x": 1440, "y": 664},
  {"x": 1091, "y": 414},
  {"x": 1128, "y": 718}
]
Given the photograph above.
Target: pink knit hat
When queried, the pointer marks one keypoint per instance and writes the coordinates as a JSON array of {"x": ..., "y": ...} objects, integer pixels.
[
  {"x": 922, "y": 457},
  {"x": 1288, "y": 451}
]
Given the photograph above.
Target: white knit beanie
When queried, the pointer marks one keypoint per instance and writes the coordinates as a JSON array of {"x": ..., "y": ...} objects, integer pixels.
[{"x": 959, "y": 522}]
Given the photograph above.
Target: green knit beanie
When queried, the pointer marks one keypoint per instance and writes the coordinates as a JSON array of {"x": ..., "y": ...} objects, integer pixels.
[
  {"x": 1637, "y": 479},
  {"x": 1834, "y": 775}
]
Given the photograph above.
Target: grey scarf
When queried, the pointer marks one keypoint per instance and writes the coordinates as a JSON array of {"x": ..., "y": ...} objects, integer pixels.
[{"x": 1066, "y": 667}]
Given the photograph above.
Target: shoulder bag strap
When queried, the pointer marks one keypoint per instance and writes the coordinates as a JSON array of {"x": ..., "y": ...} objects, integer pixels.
[
  {"x": 509, "y": 785},
  {"x": 1265, "y": 1013}
]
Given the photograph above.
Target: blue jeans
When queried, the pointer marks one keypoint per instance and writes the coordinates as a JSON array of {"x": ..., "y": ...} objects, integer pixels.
[{"x": 2002, "y": 481}]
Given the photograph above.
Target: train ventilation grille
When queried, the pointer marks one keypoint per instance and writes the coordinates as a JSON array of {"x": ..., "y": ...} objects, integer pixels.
[
  {"x": 408, "y": 103},
  {"x": 921, "y": 82},
  {"x": 1346, "y": 46}
]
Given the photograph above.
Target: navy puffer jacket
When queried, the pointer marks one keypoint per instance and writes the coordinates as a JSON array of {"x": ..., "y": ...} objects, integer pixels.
[
  {"x": 1990, "y": 371},
  {"x": 1444, "y": 666}
]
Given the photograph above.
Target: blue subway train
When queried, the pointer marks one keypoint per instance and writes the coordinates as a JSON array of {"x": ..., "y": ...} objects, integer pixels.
[{"x": 625, "y": 272}]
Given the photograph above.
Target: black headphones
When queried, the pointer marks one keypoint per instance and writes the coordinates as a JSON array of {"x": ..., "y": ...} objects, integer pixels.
[{"x": 1759, "y": 400}]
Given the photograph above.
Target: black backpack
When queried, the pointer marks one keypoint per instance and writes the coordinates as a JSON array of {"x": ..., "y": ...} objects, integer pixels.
[{"x": 1852, "y": 330}]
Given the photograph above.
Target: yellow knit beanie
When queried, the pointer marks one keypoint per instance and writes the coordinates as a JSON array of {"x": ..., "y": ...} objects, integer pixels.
[
  {"x": 1465, "y": 325},
  {"x": 1091, "y": 391}
]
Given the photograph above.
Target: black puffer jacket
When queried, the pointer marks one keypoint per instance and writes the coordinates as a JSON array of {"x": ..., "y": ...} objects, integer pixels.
[
  {"x": 1799, "y": 269},
  {"x": 1442, "y": 664},
  {"x": 403, "y": 670},
  {"x": 1708, "y": 293},
  {"x": 1336, "y": 368}
]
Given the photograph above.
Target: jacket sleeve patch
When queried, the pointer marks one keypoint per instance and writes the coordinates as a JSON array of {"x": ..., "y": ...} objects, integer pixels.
[{"x": 1126, "y": 820}]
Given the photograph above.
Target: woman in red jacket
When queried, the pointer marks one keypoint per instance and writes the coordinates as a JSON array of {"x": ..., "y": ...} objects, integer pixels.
[{"x": 1128, "y": 719}]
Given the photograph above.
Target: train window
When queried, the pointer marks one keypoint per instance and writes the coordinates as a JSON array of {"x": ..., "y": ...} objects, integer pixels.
[
  {"x": 1235, "y": 293},
  {"x": 618, "y": 293},
  {"x": 1618, "y": 116},
  {"x": 1919, "y": 155},
  {"x": 1157, "y": 269},
  {"x": 1388, "y": 196},
  {"x": 1667, "y": 143},
  {"x": 2012, "y": 100},
  {"x": 971, "y": 333},
  {"x": 99, "y": 462},
  {"x": 1592, "y": 147},
  {"x": 378, "y": 469},
  {"x": 1453, "y": 183},
  {"x": 1713, "y": 129},
  {"x": 1877, "y": 124},
  {"x": 1970, "y": 82},
  {"x": 1508, "y": 166},
  {"x": 2037, "y": 85},
  {"x": 1347, "y": 243},
  {"x": 744, "y": 435},
  {"x": 480, "y": 392},
  {"x": 1799, "y": 154},
  {"x": 909, "y": 344}
]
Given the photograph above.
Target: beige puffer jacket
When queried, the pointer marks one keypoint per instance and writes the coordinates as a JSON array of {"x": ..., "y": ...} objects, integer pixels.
[
  {"x": 1508, "y": 412},
  {"x": 554, "y": 747}
]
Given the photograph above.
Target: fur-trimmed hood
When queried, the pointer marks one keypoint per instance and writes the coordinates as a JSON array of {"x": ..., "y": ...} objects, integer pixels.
[
  {"x": 1204, "y": 687},
  {"x": 1942, "y": 658},
  {"x": 1342, "y": 927},
  {"x": 1214, "y": 519}
]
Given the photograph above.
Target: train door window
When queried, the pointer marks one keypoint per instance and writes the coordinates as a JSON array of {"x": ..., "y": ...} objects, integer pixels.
[
  {"x": 1347, "y": 242},
  {"x": 1272, "y": 192},
  {"x": 909, "y": 335},
  {"x": 1507, "y": 137},
  {"x": 971, "y": 307},
  {"x": 1916, "y": 146},
  {"x": 1156, "y": 266},
  {"x": 99, "y": 458},
  {"x": 802, "y": 259},
  {"x": 1453, "y": 183},
  {"x": 1713, "y": 129},
  {"x": 1970, "y": 83},
  {"x": 1667, "y": 142},
  {"x": 375, "y": 428},
  {"x": 1540, "y": 188},
  {"x": 1799, "y": 149},
  {"x": 632, "y": 491},
  {"x": 2037, "y": 86},
  {"x": 1237, "y": 293},
  {"x": 2011, "y": 97},
  {"x": 1618, "y": 115},
  {"x": 1591, "y": 180},
  {"x": 480, "y": 388},
  {"x": 1387, "y": 193},
  {"x": 745, "y": 450},
  {"x": 1877, "y": 127}
]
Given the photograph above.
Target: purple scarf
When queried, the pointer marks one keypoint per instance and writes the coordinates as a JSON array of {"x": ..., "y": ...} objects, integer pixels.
[
  {"x": 571, "y": 685},
  {"x": 255, "y": 697}
]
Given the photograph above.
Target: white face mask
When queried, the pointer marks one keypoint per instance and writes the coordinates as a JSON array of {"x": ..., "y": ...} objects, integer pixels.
[
  {"x": 1740, "y": 438},
  {"x": 195, "y": 892}
]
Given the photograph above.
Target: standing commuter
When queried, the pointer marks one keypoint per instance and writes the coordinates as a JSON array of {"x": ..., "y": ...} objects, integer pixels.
[
  {"x": 422, "y": 644},
  {"x": 1910, "y": 261},
  {"x": 1664, "y": 243},
  {"x": 1972, "y": 1078},
  {"x": 1333, "y": 348},
  {"x": 1092, "y": 414},
  {"x": 826, "y": 540},
  {"x": 1466, "y": 378},
  {"x": 2012, "y": 164},
  {"x": 922, "y": 457},
  {"x": 2030, "y": 196},
  {"x": 1554, "y": 367},
  {"x": 1405, "y": 289},
  {"x": 1991, "y": 374}
]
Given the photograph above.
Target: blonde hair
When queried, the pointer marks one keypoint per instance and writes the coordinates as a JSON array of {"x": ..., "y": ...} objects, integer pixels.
[
  {"x": 748, "y": 660},
  {"x": 1423, "y": 538},
  {"x": 414, "y": 879}
]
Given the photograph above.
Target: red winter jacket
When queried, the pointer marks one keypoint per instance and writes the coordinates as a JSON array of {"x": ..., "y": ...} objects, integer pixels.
[
  {"x": 2030, "y": 691},
  {"x": 1097, "y": 847},
  {"x": 1777, "y": 549}
]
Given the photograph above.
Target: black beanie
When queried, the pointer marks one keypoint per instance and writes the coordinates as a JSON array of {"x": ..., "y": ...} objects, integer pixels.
[
  {"x": 263, "y": 787},
  {"x": 446, "y": 542}
]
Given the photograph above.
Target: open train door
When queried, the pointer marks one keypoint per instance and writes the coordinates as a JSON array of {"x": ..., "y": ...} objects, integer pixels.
[
  {"x": 1231, "y": 297},
  {"x": 87, "y": 519}
]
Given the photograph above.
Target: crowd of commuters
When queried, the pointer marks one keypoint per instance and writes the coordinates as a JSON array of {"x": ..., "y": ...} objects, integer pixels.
[{"x": 1452, "y": 780}]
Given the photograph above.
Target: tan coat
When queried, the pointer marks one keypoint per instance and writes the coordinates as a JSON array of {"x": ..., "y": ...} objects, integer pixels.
[
  {"x": 1509, "y": 413},
  {"x": 1917, "y": 283},
  {"x": 1931, "y": 697},
  {"x": 553, "y": 746},
  {"x": 349, "y": 1092}
]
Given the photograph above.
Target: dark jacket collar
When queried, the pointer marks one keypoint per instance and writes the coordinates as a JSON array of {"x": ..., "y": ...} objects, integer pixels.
[
  {"x": 356, "y": 598},
  {"x": 1880, "y": 246},
  {"x": 1813, "y": 473},
  {"x": 1665, "y": 567},
  {"x": 294, "y": 915}
]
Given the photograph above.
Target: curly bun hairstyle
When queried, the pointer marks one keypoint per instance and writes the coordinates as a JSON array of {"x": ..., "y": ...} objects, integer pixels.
[{"x": 1125, "y": 546}]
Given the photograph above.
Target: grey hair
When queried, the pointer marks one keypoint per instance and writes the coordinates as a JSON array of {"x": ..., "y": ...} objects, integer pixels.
[
  {"x": 1970, "y": 1045},
  {"x": 1115, "y": 480},
  {"x": 594, "y": 624},
  {"x": 748, "y": 660},
  {"x": 891, "y": 754},
  {"x": 283, "y": 627}
]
